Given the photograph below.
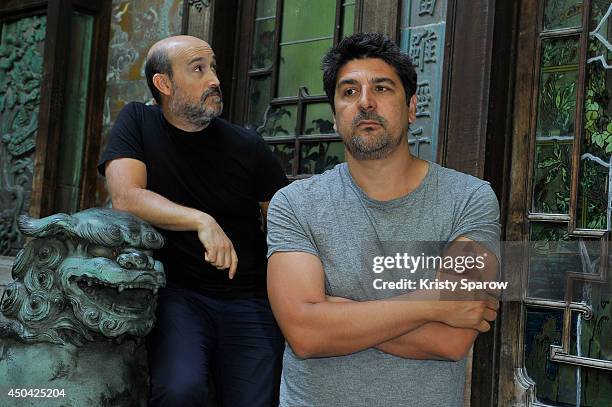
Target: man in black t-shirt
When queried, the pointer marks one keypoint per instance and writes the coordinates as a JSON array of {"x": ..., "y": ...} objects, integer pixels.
[{"x": 206, "y": 184}]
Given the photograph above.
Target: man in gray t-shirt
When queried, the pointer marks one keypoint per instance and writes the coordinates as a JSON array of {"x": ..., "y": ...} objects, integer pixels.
[{"x": 348, "y": 345}]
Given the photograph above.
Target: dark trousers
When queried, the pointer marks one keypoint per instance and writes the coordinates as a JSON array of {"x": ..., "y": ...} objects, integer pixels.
[{"x": 238, "y": 341}]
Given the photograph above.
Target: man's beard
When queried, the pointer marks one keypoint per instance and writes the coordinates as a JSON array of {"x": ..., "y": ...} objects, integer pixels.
[
  {"x": 364, "y": 147},
  {"x": 197, "y": 114}
]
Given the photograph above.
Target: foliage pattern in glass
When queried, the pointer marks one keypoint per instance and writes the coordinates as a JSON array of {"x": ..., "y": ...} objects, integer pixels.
[
  {"x": 555, "y": 125},
  {"x": 554, "y": 251},
  {"x": 320, "y": 156},
  {"x": 562, "y": 14},
  {"x": 596, "y": 149}
]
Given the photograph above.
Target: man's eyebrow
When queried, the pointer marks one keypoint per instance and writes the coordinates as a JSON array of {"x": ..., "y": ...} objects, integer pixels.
[
  {"x": 382, "y": 80},
  {"x": 346, "y": 82},
  {"x": 195, "y": 59}
]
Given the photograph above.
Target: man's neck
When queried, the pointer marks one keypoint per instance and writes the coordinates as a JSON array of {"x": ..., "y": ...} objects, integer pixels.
[
  {"x": 389, "y": 178},
  {"x": 180, "y": 123}
]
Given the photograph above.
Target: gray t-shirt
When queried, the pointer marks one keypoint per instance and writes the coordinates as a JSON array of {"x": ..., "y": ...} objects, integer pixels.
[{"x": 329, "y": 216}]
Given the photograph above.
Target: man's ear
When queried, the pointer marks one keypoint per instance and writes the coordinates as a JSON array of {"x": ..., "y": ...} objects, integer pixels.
[
  {"x": 412, "y": 109},
  {"x": 335, "y": 127},
  {"x": 162, "y": 83}
]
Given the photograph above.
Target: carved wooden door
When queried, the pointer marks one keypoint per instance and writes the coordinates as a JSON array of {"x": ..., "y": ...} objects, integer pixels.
[{"x": 557, "y": 339}]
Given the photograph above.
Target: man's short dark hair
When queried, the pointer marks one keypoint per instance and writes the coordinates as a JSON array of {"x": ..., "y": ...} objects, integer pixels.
[
  {"x": 158, "y": 62},
  {"x": 367, "y": 45}
]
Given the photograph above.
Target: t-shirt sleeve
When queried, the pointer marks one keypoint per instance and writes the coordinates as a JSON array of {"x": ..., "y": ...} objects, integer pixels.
[
  {"x": 125, "y": 140},
  {"x": 286, "y": 233},
  {"x": 269, "y": 175},
  {"x": 479, "y": 219}
]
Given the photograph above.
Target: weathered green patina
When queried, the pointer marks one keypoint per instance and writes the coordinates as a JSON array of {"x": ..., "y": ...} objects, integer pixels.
[
  {"x": 21, "y": 50},
  {"x": 82, "y": 299}
]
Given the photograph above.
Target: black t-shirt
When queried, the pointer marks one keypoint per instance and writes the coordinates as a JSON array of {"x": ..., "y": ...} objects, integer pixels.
[{"x": 223, "y": 170}]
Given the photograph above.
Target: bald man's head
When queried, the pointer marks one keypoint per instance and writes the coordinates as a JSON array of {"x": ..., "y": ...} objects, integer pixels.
[{"x": 162, "y": 53}]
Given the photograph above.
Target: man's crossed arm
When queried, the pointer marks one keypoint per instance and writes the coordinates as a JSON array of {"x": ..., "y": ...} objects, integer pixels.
[{"x": 317, "y": 326}]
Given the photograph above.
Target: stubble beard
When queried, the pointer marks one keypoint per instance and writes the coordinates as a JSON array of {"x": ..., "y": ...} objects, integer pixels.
[
  {"x": 363, "y": 146},
  {"x": 197, "y": 114}
]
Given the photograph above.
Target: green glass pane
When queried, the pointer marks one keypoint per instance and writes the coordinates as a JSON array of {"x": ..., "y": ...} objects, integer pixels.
[
  {"x": 300, "y": 65},
  {"x": 551, "y": 256},
  {"x": 595, "y": 333},
  {"x": 562, "y": 53},
  {"x": 319, "y": 119},
  {"x": 594, "y": 195},
  {"x": 348, "y": 19},
  {"x": 73, "y": 132},
  {"x": 285, "y": 154},
  {"x": 593, "y": 341},
  {"x": 263, "y": 43},
  {"x": 562, "y": 14},
  {"x": 259, "y": 99},
  {"x": 555, "y": 382},
  {"x": 318, "y": 157},
  {"x": 308, "y": 19},
  {"x": 559, "y": 384},
  {"x": 599, "y": 8},
  {"x": 552, "y": 176},
  {"x": 266, "y": 8},
  {"x": 555, "y": 125},
  {"x": 279, "y": 121}
]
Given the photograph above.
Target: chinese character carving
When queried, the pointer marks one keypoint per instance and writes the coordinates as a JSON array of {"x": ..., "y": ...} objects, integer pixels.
[
  {"x": 416, "y": 138},
  {"x": 423, "y": 48},
  {"x": 427, "y": 7},
  {"x": 423, "y": 93}
]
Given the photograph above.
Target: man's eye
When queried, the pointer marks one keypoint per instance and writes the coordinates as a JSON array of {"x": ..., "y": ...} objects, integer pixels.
[
  {"x": 350, "y": 92},
  {"x": 198, "y": 68},
  {"x": 381, "y": 89},
  {"x": 213, "y": 68}
]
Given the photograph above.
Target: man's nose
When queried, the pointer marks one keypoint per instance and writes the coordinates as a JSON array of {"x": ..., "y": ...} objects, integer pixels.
[
  {"x": 367, "y": 101},
  {"x": 214, "y": 81}
]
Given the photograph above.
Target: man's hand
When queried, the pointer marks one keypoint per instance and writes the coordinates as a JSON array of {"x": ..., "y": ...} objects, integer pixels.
[
  {"x": 471, "y": 314},
  {"x": 219, "y": 249}
]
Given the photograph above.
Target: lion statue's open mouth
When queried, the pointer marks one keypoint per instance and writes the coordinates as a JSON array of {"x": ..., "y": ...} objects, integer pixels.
[{"x": 83, "y": 275}]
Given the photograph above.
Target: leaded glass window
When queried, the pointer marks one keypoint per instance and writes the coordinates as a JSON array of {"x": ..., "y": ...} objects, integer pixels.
[
  {"x": 567, "y": 347},
  {"x": 286, "y": 102}
]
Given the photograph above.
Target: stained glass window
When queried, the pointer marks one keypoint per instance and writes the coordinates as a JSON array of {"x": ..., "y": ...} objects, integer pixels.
[
  {"x": 567, "y": 321},
  {"x": 286, "y": 101}
]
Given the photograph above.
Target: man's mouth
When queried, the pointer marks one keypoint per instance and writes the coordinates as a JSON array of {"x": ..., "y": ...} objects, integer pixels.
[{"x": 369, "y": 123}]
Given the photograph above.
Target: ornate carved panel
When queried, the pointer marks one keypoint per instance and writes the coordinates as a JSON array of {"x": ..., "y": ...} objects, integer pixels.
[{"x": 21, "y": 60}]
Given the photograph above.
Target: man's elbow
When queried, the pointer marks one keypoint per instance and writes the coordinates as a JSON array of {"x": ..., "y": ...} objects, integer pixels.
[
  {"x": 302, "y": 350},
  {"x": 457, "y": 349},
  {"x": 120, "y": 203},
  {"x": 304, "y": 346},
  {"x": 456, "y": 354},
  {"x": 122, "y": 200}
]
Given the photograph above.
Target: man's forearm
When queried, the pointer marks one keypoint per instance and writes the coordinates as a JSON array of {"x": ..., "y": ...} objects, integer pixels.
[
  {"x": 333, "y": 329},
  {"x": 433, "y": 340},
  {"x": 159, "y": 211}
]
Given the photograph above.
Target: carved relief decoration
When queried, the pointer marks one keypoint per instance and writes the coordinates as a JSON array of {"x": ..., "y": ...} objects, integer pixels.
[{"x": 21, "y": 51}]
